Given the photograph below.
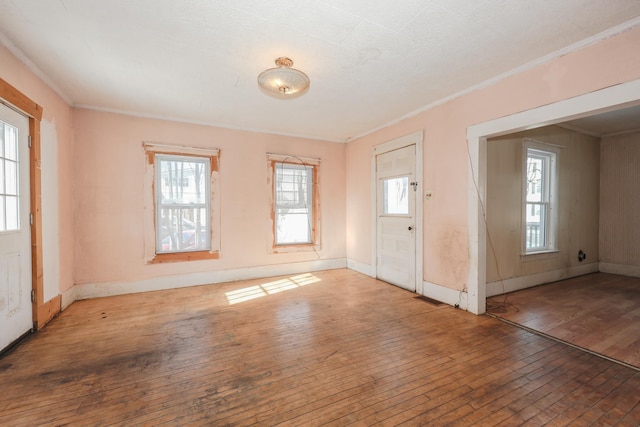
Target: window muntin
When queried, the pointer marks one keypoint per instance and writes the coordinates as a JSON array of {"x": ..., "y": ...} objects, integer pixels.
[
  {"x": 182, "y": 195},
  {"x": 9, "y": 170},
  {"x": 540, "y": 231},
  {"x": 293, "y": 196}
]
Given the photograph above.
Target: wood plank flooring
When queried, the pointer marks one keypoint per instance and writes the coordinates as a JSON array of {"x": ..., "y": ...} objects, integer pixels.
[
  {"x": 599, "y": 312},
  {"x": 326, "y": 348}
]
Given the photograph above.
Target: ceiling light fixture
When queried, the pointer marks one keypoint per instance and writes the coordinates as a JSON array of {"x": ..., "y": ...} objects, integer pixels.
[{"x": 283, "y": 82}]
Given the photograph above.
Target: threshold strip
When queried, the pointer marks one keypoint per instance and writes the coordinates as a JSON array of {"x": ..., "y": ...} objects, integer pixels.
[{"x": 561, "y": 341}]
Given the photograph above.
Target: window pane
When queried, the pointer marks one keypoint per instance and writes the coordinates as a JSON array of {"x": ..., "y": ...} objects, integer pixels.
[
  {"x": 10, "y": 142},
  {"x": 183, "y": 229},
  {"x": 183, "y": 181},
  {"x": 293, "y": 185},
  {"x": 12, "y": 213},
  {"x": 536, "y": 222},
  {"x": 535, "y": 174},
  {"x": 293, "y": 226},
  {"x": 11, "y": 178},
  {"x": 395, "y": 196}
]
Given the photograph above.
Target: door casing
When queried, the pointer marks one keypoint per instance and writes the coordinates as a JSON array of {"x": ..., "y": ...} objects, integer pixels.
[{"x": 13, "y": 98}]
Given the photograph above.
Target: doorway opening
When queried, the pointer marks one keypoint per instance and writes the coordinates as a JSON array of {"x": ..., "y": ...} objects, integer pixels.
[{"x": 602, "y": 101}]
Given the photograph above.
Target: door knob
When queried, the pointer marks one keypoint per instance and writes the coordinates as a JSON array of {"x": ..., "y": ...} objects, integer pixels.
[{"x": 410, "y": 228}]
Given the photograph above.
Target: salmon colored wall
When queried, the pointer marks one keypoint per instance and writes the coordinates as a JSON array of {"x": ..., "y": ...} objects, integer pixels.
[
  {"x": 109, "y": 175},
  {"x": 446, "y": 162},
  {"x": 56, "y": 151}
]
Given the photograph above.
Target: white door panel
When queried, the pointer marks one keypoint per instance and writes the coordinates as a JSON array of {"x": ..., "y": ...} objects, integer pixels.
[
  {"x": 396, "y": 197},
  {"x": 15, "y": 234}
]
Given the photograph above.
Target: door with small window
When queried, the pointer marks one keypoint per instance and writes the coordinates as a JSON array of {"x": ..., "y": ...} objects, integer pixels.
[
  {"x": 15, "y": 234},
  {"x": 396, "y": 210}
]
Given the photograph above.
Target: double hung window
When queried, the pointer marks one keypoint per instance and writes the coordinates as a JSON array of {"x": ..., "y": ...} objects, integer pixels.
[
  {"x": 295, "y": 202},
  {"x": 540, "y": 204},
  {"x": 183, "y": 186},
  {"x": 182, "y": 203}
]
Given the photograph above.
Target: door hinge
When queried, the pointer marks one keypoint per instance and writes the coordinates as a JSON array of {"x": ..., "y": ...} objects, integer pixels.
[
  {"x": 30, "y": 219},
  {"x": 29, "y": 140},
  {"x": 414, "y": 184},
  {"x": 33, "y": 296}
]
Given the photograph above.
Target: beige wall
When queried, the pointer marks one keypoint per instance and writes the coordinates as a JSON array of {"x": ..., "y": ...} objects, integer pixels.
[
  {"x": 109, "y": 178},
  {"x": 578, "y": 203},
  {"x": 620, "y": 200}
]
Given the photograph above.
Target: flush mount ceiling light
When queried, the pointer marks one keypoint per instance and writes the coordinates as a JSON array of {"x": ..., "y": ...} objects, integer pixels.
[{"x": 283, "y": 82}]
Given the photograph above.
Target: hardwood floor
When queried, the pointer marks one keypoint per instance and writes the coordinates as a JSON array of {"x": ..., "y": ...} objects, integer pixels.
[
  {"x": 599, "y": 312},
  {"x": 326, "y": 348}
]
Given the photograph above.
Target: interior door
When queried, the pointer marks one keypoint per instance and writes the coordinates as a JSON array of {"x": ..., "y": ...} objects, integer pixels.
[
  {"x": 15, "y": 234},
  {"x": 396, "y": 227}
]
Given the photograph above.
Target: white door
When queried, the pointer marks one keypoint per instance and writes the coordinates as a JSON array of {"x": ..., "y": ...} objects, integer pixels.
[
  {"x": 395, "y": 212},
  {"x": 15, "y": 234}
]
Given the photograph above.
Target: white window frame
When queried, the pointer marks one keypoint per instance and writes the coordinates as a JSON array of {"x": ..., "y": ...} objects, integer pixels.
[
  {"x": 550, "y": 156},
  {"x": 152, "y": 150},
  {"x": 159, "y": 204},
  {"x": 313, "y": 163}
]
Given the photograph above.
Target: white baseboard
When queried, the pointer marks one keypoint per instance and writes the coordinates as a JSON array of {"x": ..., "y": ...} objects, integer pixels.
[
  {"x": 624, "y": 270},
  {"x": 105, "y": 289},
  {"x": 446, "y": 295},
  {"x": 68, "y": 298},
  {"x": 360, "y": 267},
  {"x": 517, "y": 283}
]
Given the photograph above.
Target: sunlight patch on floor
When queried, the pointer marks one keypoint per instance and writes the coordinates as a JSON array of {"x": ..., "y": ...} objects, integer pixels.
[{"x": 270, "y": 288}]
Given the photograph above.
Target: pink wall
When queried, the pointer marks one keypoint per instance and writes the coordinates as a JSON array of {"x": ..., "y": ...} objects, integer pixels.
[
  {"x": 445, "y": 163},
  {"x": 55, "y": 130},
  {"x": 109, "y": 175}
]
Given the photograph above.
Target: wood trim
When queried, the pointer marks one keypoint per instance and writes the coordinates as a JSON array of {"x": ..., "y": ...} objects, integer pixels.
[
  {"x": 41, "y": 312},
  {"x": 19, "y": 100},
  {"x": 48, "y": 310},
  {"x": 184, "y": 256},
  {"x": 35, "y": 177}
]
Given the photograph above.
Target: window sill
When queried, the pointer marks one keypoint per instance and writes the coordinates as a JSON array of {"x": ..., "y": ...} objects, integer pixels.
[
  {"x": 184, "y": 256},
  {"x": 539, "y": 255},
  {"x": 306, "y": 247}
]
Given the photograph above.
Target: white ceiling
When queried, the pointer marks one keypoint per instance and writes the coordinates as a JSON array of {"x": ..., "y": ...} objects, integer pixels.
[{"x": 371, "y": 62}]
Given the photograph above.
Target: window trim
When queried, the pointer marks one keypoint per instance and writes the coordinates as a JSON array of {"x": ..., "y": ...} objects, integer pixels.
[
  {"x": 315, "y": 244},
  {"x": 551, "y": 152},
  {"x": 151, "y": 257}
]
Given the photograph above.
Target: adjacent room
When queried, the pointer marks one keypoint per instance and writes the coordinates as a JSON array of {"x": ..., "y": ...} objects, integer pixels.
[
  {"x": 579, "y": 179},
  {"x": 319, "y": 212}
]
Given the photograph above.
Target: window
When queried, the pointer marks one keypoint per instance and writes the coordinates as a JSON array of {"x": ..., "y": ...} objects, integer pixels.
[
  {"x": 295, "y": 203},
  {"x": 183, "y": 183},
  {"x": 540, "y": 182},
  {"x": 9, "y": 197},
  {"x": 182, "y": 211}
]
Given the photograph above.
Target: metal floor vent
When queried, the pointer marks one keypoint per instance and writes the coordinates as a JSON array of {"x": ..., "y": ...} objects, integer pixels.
[{"x": 429, "y": 300}]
